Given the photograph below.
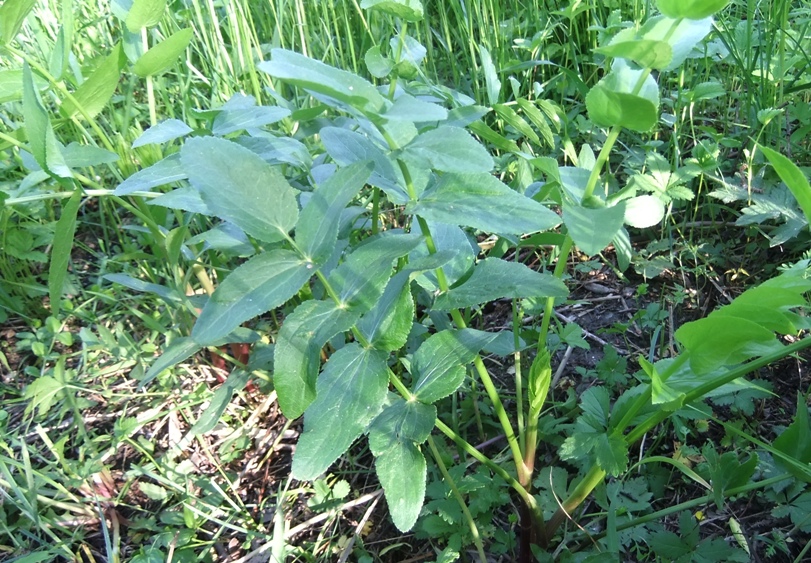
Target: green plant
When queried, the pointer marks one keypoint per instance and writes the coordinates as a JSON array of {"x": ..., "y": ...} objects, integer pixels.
[{"x": 406, "y": 328}]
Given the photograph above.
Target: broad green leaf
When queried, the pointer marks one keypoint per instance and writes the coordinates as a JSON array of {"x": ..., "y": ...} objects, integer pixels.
[
  {"x": 360, "y": 279},
  {"x": 317, "y": 227},
  {"x": 236, "y": 381},
  {"x": 83, "y": 156},
  {"x": 644, "y": 211},
  {"x": 793, "y": 178},
  {"x": 317, "y": 77},
  {"x": 377, "y": 64},
  {"x": 401, "y": 422},
  {"x": 494, "y": 278},
  {"x": 452, "y": 239},
  {"x": 61, "y": 251},
  {"x": 349, "y": 395},
  {"x": 188, "y": 199},
  {"x": 593, "y": 229},
  {"x": 163, "y": 132},
  {"x": 451, "y": 149},
  {"x": 691, "y": 9},
  {"x": 647, "y": 53},
  {"x": 162, "y": 172},
  {"x": 483, "y": 202},
  {"x": 94, "y": 93},
  {"x": 408, "y": 10},
  {"x": 682, "y": 35},
  {"x": 144, "y": 13},
  {"x": 346, "y": 147},
  {"x": 162, "y": 56},
  {"x": 719, "y": 340},
  {"x": 178, "y": 350},
  {"x": 389, "y": 323},
  {"x": 12, "y": 17},
  {"x": 277, "y": 150},
  {"x": 409, "y": 108},
  {"x": 438, "y": 365},
  {"x": 230, "y": 120},
  {"x": 240, "y": 187},
  {"x": 612, "y": 102},
  {"x": 795, "y": 442},
  {"x": 44, "y": 146},
  {"x": 402, "y": 471},
  {"x": 262, "y": 283},
  {"x": 296, "y": 356}
]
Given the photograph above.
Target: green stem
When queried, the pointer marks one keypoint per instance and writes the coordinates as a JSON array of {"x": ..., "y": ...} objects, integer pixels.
[
  {"x": 693, "y": 503},
  {"x": 481, "y": 369},
  {"x": 477, "y": 540}
]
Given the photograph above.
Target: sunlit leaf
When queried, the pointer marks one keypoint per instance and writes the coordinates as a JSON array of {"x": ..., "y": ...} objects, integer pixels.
[{"x": 349, "y": 395}]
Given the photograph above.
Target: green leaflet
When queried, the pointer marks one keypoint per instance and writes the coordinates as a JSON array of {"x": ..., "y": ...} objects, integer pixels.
[
  {"x": 317, "y": 227},
  {"x": 144, "y": 13},
  {"x": 349, "y": 395},
  {"x": 494, "y": 278},
  {"x": 402, "y": 473},
  {"x": 793, "y": 177},
  {"x": 377, "y": 64},
  {"x": 661, "y": 393},
  {"x": 388, "y": 324},
  {"x": 325, "y": 80},
  {"x": 691, "y": 9},
  {"x": 296, "y": 357},
  {"x": 407, "y": 10},
  {"x": 745, "y": 328},
  {"x": 482, "y": 202},
  {"x": 260, "y": 284},
  {"x": 236, "y": 381},
  {"x": 44, "y": 146},
  {"x": 162, "y": 132},
  {"x": 399, "y": 422},
  {"x": 12, "y": 17},
  {"x": 94, "y": 93},
  {"x": 240, "y": 118},
  {"x": 409, "y": 108},
  {"x": 346, "y": 147},
  {"x": 60, "y": 253},
  {"x": 681, "y": 35},
  {"x": 611, "y": 101},
  {"x": 238, "y": 186},
  {"x": 163, "y": 172},
  {"x": 592, "y": 229},
  {"x": 178, "y": 350},
  {"x": 438, "y": 365},
  {"x": 643, "y": 211},
  {"x": 162, "y": 56},
  {"x": 647, "y": 53},
  {"x": 360, "y": 280},
  {"x": 795, "y": 442},
  {"x": 450, "y": 149}
]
